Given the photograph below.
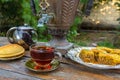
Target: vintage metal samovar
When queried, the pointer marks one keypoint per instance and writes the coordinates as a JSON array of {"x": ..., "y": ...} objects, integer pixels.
[{"x": 58, "y": 15}]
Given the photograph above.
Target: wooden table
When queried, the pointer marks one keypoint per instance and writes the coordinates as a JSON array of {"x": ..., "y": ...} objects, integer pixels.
[{"x": 68, "y": 70}]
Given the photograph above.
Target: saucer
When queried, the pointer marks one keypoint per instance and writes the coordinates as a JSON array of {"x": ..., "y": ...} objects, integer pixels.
[{"x": 30, "y": 65}]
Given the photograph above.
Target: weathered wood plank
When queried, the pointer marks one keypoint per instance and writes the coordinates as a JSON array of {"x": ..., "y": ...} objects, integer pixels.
[{"x": 11, "y": 75}]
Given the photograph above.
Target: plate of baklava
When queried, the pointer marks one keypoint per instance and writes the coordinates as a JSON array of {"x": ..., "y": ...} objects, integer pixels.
[{"x": 96, "y": 57}]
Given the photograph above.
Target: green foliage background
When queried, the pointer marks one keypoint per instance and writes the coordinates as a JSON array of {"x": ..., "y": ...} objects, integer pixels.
[
  {"x": 10, "y": 12},
  {"x": 32, "y": 20},
  {"x": 18, "y": 12}
]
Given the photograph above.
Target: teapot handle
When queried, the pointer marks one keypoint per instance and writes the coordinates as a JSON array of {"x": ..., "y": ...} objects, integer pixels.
[
  {"x": 10, "y": 39},
  {"x": 36, "y": 35}
]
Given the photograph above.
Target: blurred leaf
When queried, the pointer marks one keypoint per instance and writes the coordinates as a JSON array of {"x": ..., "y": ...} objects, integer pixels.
[
  {"x": 10, "y": 15},
  {"x": 118, "y": 19},
  {"x": 106, "y": 44},
  {"x": 73, "y": 30},
  {"x": 83, "y": 1}
]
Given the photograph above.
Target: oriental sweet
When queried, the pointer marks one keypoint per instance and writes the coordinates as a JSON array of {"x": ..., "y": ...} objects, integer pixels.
[{"x": 101, "y": 55}]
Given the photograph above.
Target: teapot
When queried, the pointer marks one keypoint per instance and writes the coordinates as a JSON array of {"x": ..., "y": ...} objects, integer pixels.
[{"x": 22, "y": 35}]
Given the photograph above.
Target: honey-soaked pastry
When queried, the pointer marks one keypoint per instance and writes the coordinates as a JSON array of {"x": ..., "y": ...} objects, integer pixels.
[
  {"x": 108, "y": 59},
  {"x": 108, "y": 50},
  {"x": 11, "y": 50},
  {"x": 115, "y": 51},
  {"x": 87, "y": 55},
  {"x": 101, "y": 56},
  {"x": 96, "y": 53},
  {"x": 97, "y": 50}
]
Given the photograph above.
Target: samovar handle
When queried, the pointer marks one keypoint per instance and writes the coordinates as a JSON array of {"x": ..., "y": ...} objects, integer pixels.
[
  {"x": 9, "y": 32},
  {"x": 88, "y": 7},
  {"x": 32, "y": 4}
]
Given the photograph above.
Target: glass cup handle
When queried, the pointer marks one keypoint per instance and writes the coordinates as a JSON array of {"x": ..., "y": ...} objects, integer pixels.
[{"x": 59, "y": 55}]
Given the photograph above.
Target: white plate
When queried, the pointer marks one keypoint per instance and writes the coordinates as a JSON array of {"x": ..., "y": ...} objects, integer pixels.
[{"x": 73, "y": 54}]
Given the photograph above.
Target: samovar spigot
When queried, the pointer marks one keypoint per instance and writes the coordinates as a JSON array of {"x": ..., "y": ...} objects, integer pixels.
[
  {"x": 44, "y": 19},
  {"x": 44, "y": 16}
]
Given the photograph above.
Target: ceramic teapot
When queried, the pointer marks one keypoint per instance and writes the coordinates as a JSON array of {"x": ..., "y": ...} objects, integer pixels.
[{"x": 22, "y": 35}]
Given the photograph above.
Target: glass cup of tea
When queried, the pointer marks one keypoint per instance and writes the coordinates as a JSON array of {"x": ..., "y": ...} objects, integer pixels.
[{"x": 42, "y": 55}]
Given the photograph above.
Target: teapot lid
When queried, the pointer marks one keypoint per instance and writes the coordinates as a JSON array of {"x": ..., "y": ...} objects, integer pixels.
[{"x": 25, "y": 27}]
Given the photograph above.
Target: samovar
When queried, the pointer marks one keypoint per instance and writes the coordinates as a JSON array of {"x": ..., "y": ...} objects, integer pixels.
[{"x": 59, "y": 15}]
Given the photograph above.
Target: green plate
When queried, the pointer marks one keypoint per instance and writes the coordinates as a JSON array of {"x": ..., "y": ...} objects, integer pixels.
[{"x": 30, "y": 65}]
